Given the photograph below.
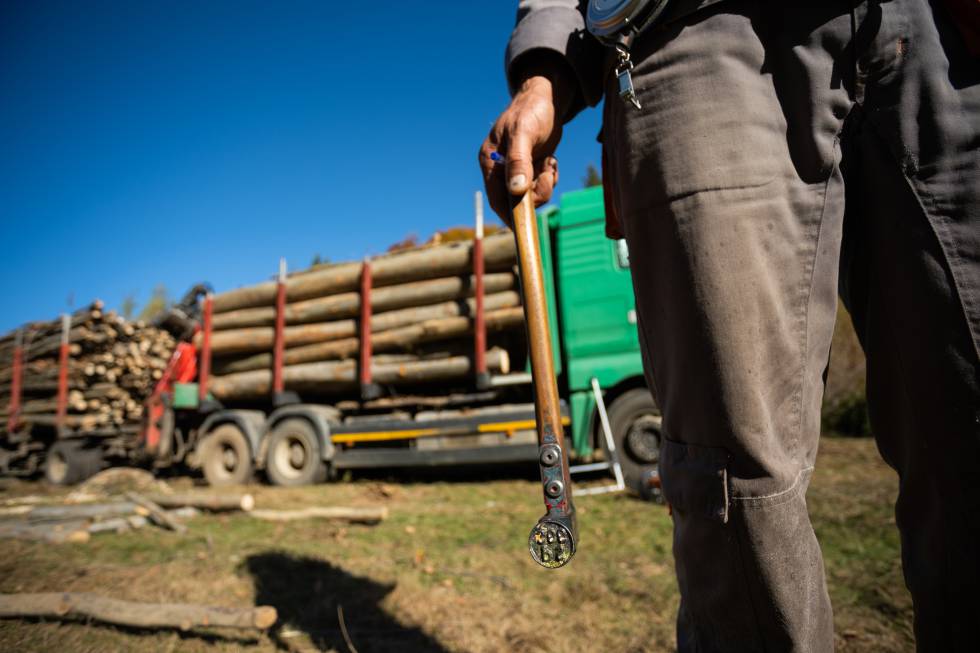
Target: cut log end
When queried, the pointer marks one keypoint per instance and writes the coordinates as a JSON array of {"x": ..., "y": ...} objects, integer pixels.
[
  {"x": 265, "y": 617},
  {"x": 78, "y": 537}
]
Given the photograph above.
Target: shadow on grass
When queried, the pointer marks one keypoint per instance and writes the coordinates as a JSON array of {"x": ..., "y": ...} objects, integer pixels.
[{"x": 306, "y": 592}]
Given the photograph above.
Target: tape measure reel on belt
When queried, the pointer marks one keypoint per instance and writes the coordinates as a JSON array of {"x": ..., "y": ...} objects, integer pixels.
[{"x": 616, "y": 23}]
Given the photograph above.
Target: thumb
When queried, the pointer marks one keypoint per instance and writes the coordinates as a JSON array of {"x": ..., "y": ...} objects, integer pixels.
[{"x": 520, "y": 169}]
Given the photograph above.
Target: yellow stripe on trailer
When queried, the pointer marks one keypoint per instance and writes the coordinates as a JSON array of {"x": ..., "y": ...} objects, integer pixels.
[
  {"x": 411, "y": 434},
  {"x": 379, "y": 436},
  {"x": 522, "y": 425}
]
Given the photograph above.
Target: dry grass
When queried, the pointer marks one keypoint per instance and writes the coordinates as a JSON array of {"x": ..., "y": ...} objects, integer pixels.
[{"x": 449, "y": 571}]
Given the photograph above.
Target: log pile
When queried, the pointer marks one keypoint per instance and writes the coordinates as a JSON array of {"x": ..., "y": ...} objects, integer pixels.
[
  {"x": 112, "y": 367},
  {"x": 422, "y": 315}
]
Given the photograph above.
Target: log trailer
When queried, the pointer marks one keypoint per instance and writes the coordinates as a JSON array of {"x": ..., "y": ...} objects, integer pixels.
[
  {"x": 75, "y": 387},
  {"x": 298, "y": 438}
]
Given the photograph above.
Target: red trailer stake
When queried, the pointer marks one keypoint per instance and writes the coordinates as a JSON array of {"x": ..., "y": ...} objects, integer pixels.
[
  {"x": 62, "y": 402},
  {"x": 202, "y": 386},
  {"x": 279, "y": 345},
  {"x": 15, "y": 383}
]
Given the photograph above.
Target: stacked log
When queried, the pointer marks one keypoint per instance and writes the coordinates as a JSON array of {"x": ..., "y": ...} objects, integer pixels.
[
  {"x": 113, "y": 366},
  {"x": 422, "y": 308}
]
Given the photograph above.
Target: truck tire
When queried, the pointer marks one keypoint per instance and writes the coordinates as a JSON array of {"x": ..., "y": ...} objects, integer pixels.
[
  {"x": 69, "y": 462},
  {"x": 294, "y": 454},
  {"x": 226, "y": 457},
  {"x": 636, "y": 428}
]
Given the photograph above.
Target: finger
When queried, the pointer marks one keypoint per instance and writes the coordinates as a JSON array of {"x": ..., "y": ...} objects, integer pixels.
[
  {"x": 546, "y": 181},
  {"x": 485, "y": 160},
  {"x": 494, "y": 183},
  {"x": 520, "y": 167},
  {"x": 499, "y": 199}
]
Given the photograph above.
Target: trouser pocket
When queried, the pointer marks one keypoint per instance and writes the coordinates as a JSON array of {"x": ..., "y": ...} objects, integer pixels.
[{"x": 695, "y": 479}]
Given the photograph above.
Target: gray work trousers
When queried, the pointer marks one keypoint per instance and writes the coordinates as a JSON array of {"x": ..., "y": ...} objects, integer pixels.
[{"x": 784, "y": 153}]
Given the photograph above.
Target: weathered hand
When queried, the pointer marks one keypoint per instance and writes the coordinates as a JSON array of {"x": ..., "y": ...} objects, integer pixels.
[{"x": 526, "y": 135}]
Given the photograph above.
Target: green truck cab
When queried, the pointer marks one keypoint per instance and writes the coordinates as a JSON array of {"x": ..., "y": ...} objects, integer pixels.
[{"x": 593, "y": 317}]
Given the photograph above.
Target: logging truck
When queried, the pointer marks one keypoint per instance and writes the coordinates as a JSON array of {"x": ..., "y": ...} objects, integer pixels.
[{"x": 412, "y": 359}]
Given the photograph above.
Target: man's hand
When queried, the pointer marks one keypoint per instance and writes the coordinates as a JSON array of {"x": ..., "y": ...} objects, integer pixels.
[{"x": 526, "y": 135}]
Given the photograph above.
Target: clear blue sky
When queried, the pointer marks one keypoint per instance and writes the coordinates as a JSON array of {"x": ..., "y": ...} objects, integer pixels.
[{"x": 174, "y": 142}]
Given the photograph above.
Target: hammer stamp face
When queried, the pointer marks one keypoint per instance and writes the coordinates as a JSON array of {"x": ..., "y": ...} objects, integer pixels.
[{"x": 551, "y": 544}]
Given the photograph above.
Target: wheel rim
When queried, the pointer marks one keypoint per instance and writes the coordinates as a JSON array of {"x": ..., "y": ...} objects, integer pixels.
[
  {"x": 229, "y": 459},
  {"x": 57, "y": 466},
  {"x": 643, "y": 439},
  {"x": 291, "y": 456},
  {"x": 224, "y": 462}
]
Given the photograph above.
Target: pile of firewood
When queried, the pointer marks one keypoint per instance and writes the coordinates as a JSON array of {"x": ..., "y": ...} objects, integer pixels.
[
  {"x": 422, "y": 316},
  {"x": 112, "y": 368}
]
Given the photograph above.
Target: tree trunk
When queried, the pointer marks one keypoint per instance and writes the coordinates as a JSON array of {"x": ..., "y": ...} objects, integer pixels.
[
  {"x": 56, "y": 532},
  {"x": 132, "y": 614},
  {"x": 341, "y": 375},
  {"x": 118, "y": 524},
  {"x": 156, "y": 514},
  {"x": 262, "y": 338},
  {"x": 358, "y": 515},
  {"x": 82, "y": 511},
  {"x": 387, "y": 340},
  {"x": 335, "y": 307},
  {"x": 210, "y": 502},
  {"x": 499, "y": 251}
]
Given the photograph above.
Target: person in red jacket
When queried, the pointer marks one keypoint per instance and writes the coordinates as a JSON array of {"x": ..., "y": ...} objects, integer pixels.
[{"x": 775, "y": 155}]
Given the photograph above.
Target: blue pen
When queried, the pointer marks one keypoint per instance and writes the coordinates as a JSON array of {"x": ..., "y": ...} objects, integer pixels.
[{"x": 496, "y": 157}]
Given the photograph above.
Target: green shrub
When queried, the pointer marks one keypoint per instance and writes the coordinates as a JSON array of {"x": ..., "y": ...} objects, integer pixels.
[{"x": 848, "y": 416}]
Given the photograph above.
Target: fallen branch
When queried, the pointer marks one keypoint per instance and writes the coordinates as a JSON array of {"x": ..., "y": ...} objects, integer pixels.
[
  {"x": 357, "y": 515},
  {"x": 58, "y": 533},
  {"x": 136, "y": 615},
  {"x": 118, "y": 524},
  {"x": 343, "y": 629},
  {"x": 156, "y": 514},
  {"x": 82, "y": 511},
  {"x": 30, "y": 499},
  {"x": 13, "y": 511}
]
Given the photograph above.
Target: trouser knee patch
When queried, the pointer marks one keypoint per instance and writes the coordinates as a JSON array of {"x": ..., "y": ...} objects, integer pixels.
[{"x": 695, "y": 479}]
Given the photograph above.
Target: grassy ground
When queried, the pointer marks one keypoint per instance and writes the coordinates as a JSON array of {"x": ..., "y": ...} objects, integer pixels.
[{"x": 448, "y": 571}]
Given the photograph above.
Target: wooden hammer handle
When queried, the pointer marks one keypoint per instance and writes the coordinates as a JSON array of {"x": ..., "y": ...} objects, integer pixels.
[{"x": 546, "y": 401}]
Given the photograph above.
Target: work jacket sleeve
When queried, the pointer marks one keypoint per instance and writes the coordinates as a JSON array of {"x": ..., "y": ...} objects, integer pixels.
[{"x": 557, "y": 26}]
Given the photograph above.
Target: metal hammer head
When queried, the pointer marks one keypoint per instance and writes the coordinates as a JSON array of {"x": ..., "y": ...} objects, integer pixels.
[{"x": 551, "y": 543}]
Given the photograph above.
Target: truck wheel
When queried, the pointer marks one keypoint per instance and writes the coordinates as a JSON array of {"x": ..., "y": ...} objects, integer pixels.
[
  {"x": 226, "y": 457},
  {"x": 70, "y": 462},
  {"x": 636, "y": 428},
  {"x": 294, "y": 454}
]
